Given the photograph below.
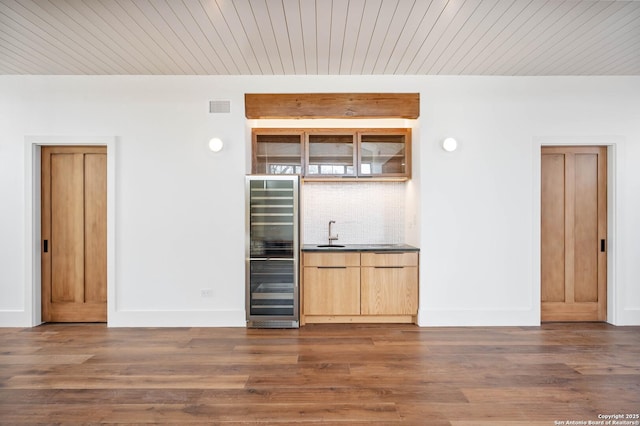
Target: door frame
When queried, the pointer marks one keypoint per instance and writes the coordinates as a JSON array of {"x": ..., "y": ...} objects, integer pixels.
[
  {"x": 615, "y": 148},
  {"x": 33, "y": 258}
]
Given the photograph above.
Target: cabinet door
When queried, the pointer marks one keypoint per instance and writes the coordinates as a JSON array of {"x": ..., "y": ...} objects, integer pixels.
[
  {"x": 278, "y": 152},
  {"x": 331, "y": 154},
  {"x": 389, "y": 290},
  {"x": 332, "y": 290},
  {"x": 385, "y": 153}
]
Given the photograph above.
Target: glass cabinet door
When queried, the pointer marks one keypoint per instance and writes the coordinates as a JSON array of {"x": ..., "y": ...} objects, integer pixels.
[
  {"x": 277, "y": 154},
  {"x": 272, "y": 289},
  {"x": 272, "y": 250},
  {"x": 384, "y": 154},
  {"x": 272, "y": 215},
  {"x": 331, "y": 155}
]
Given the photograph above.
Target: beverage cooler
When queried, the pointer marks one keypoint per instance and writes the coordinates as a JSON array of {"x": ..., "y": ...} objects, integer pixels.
[{"x": 272, "y": 251}]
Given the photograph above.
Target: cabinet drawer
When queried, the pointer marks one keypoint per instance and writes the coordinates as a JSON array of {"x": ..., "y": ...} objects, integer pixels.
[
  {"x": 390, "y": 259},
  {"x": 331, "y": 259}
]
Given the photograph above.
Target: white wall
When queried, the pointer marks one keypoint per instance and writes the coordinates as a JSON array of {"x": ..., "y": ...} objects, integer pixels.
[
  {"x": 480, "y": 204},
  {"x": 179, "y": 224}
]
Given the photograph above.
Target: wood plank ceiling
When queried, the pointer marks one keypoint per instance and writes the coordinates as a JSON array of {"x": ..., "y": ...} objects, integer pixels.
[{"x": 337, "y": 37}]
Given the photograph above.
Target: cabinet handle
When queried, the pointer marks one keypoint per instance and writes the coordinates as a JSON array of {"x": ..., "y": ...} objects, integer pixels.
[
  {"x": 332, "y": 267},
  {"x": 389, "y": 267},
  {"x": 264, "y": 259}
]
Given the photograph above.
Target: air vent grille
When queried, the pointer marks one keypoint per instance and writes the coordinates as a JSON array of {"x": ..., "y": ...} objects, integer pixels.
[
  {"x": 220, "y": 107},
  {"x": 273, "y": 324}
]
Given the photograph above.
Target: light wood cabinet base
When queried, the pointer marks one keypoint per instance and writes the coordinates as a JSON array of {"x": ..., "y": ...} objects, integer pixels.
[
  {"x": 357, "y": 288},
  {"x": 359, "y": 319}
]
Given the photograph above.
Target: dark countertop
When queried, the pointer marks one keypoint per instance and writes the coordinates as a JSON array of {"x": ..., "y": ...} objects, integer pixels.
[{"x": 360, "y": 247}]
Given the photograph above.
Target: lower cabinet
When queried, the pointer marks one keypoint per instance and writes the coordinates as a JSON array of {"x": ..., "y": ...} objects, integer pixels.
[
  {"x": 359, "y": 287},
  {"x": 389, "y": 284},
  {"x": 331, "y": 283},
  {"x": 332, "y": 290},
  {"x": 389, "y": 291}
]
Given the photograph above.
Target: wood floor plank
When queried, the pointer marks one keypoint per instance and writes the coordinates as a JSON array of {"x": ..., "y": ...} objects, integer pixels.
[
  {"x": 128, "y": 382},
  {"x": 48, "y": 359},
  {"x": 524, "y": 394},
  {"x": 606, "y": 369},
  {"x": 365, "y": 374},
  {"x": 385, "y": 413}
]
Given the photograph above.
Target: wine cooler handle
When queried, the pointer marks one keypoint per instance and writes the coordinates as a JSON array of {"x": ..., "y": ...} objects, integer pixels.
[{"x": 263, "y": 259}]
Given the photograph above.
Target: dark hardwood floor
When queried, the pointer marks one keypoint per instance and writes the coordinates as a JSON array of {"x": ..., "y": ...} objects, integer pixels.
[{"x": 346, "y": 374}]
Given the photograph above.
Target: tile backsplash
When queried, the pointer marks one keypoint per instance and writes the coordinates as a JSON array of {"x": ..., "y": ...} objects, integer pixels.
[{"x": 365, "y": 212}]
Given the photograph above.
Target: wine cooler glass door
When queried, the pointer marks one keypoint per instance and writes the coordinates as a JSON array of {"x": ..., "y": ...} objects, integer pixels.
[{"x": 272, "y": 288}]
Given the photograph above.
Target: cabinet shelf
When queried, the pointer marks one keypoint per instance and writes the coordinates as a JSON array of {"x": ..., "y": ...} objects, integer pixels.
[
  {"x": 271, "y": 190},
  {"x": 278, "y": 157},
  {"x": 401, "y": 156}
]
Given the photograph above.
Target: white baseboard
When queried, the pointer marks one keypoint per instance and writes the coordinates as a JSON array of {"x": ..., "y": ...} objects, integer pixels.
[
  {"x": 146, "y": 319},
  {"x": 426, "y": 318},
  {"x": 628, "y": 317},
  {"x": 176, "y": 319},
  {"x": 15, "y": 319},
  {"x": 477, "y": 317}
]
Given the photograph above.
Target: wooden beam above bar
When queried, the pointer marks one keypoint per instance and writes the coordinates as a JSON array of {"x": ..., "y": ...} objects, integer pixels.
[{"x": 332, "y": 105}]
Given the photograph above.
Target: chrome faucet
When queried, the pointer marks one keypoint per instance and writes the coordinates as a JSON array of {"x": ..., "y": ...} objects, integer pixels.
[{"x": 332, "y": 238}]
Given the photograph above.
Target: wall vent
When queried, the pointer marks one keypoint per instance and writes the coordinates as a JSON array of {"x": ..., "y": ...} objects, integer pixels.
[{"x": 220, "y": 107}]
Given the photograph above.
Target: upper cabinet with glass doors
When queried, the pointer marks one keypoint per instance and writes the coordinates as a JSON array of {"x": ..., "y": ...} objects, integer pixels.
[
  {"x": 277, "y": 151},
  {"x": 385, "y": 152},
  {"x": 330, "y": 154}
]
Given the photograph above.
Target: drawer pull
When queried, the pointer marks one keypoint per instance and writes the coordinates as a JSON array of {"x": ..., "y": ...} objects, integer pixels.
[
  {"x": 389, "y": 267},
  {"x": 332, "y": 267}
]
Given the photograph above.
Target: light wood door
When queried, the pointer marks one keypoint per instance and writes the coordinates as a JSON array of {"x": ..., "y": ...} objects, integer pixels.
[
  {"x": 74, "y": 234},
  {"x": 389, "y": 290},
  {"x": 331, "y": 290},
  {"x": 389, "y": 284},
  {"x": 573, "y": 233}
]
